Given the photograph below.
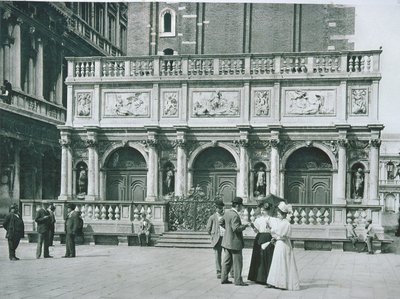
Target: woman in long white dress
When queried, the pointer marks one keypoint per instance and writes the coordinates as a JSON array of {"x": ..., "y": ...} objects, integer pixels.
[{"x": 283, "y": 272}]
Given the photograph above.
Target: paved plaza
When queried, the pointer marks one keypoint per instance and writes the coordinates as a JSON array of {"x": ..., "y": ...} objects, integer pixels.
[{"x": 147, "y": 272}]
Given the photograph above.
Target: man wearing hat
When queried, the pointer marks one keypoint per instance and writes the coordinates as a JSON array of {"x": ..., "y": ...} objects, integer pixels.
[
  {"x": 71, "y": 228},
  {"x": 43, "y": 221},
  {"x": 217, "y": 232},
  {"x": 233, "y": 243},
  {"x": 14, "y": 226},
  {"x": 51, "y": 210}
]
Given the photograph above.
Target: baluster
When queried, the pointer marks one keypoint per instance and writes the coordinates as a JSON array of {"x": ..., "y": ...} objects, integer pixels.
[
  {"x": 364, "y": 215},
  {"x": 133, "y": 68},
  {"x": 303, "y": 65},
  {"x": 83, "y": 211},
  {"x": 296, "y": 217},
  {"x": 77, "y": 67},
  {"x": 142, "y": 211},
  {"x": 316, "y": 65},
  {"x": 104, "y": 69},
  {"x": 368, "y": 67},
  {"x": 148, "y": 212},
  {"x": 319, "y": 219},
  {"x": 357, "y": 64},
  {"x": 362, "y": 63},
  {"x": 135, "y": 214},
  {"x": 150, "y": 68},
  {"x": 82, "y": 69},
  {"x": 117, "y": 215},
  {"x": 173, "y": 68},
  {"x": 311, "y": 219},
  {"x": 96, "y": 213},
  {"x": 87, "y": 69},
  {"x": 303, "y": 216},
  {"x": 336, "y": 67},
  {"x": 246, "y": 215},
  {"x": 103, "y": 213},
  {"x": 92, "y": 69},
  {"x": 190, "y": 66},
  {"x": 326, "y": 217},
  {"x": 351, "y": 64},
  {"x": 283, "y": 65},
  {"x": 252, "y": 218},
  {"x": 90, "y": 212},
  {"x": 110, "y": 213}
]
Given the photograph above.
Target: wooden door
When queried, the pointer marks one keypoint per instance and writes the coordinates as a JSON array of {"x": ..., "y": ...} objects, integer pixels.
[
  {"x": 214, "y": 184},
  {"x": 126, "y": 186},
  {"x": 308, "y": 188}
]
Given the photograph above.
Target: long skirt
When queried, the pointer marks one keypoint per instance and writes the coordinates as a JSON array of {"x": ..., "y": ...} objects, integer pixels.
[{"x": 260, "y": 259}]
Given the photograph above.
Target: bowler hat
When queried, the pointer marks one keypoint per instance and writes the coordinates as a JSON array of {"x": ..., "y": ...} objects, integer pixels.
[
  {"x": 71, "y": 206},
  {"x": 237, "y": 200},
  {"x": 52, "y": 207},
  {"x": 13, "y": 206},
  {"x": 219, "y": 203}
]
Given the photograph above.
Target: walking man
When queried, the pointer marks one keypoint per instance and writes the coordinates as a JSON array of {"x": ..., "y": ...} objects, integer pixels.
[
  {"x": 43, "y": 221},
  {"x": 14, "y": 226},
  {"x": 233, "y": 243},
  {"x": 71, "y": 228}
]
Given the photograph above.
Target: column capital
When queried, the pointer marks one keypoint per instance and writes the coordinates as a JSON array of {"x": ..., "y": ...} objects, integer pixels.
[
  {"x": 274, "y": 142},
  {"x": 64, "y": 142},
  {"x": 91, "y": 142},
  {"x": 343, "y": 142},
  {"x": 180, "y": 142},
  {"x": 242, "y": 142},
  {"x": 376, "y": 142},
  {"x": 151, "y": 143}
]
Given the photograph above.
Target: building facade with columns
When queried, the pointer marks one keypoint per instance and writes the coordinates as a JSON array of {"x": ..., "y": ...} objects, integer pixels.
[{"x": 34, "y": 40}]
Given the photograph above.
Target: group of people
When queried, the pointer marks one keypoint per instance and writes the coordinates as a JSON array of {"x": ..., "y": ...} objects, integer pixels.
[
  {"x": 366, "y": 236},
  {"x": 5, "y": 92},
  {"x": 45, "y": 223},
  {"x": 272, "y": 263}
]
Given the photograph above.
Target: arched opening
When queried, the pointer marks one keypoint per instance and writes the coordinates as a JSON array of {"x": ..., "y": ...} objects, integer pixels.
[
  {"x": 168, "y": 178},
  {"x": 260, "y": 180},
  {"x": 126, "y": 172},
  {"x": 51, "y": 177},
  {"x": 168, "y": 51},
  {"x": 81, "y": 179},
  {"x": 357, "y": 181},
  {"x": 214, "y": 171},
  {"x": 308, "y": 177},
  {"x": 167, "y": 22}
]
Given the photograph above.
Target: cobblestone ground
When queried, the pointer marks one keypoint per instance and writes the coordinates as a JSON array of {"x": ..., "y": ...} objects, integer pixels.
[{"x": 147, "y": 272}]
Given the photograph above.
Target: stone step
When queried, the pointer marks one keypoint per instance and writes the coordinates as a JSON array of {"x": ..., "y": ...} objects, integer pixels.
[
  {"x": 192, "y": 237},
  {"x": 184, "y": 239},
  {"x": 201, "y": 233},
  {"x": 194, "y": 241},
  {"x": 180, "y": 245}
]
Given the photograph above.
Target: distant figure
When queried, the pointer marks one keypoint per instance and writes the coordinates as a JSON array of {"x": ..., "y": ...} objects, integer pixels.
[
  {"x": 6, "y": 91},
  {"x": 71, "y": 228},
  {"x": 359, "y": 184},
  {"x": 43, "y": 220},
  {"x": 398, "y": 228},
  {"x": 369, "y": 236},
  {"x": 82, "y": 182},
  {"x": 260, "y": 181},
  {"x": 14, "y": 225},
  {"x": 51, "y": 210},
  {"x": 144, "y": 227},
  {"x": 169, "y": 181},
  {"x": 351, "y": 234}
]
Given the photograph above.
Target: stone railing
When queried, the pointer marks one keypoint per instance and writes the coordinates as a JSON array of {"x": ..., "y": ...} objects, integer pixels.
[
  {"x": 22, "y": 102},
  {"x": 221, "y": 66}
]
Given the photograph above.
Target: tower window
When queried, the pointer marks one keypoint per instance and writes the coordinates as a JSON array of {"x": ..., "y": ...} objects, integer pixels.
[{"x": 167, "y": 22}]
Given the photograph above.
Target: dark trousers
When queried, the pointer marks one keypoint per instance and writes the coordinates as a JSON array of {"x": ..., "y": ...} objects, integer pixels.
[
  {"x": 70, "y": 245},
  {"x": 232, "y": 258},
  {"x": 218, "y": 254},
  {"x": 12, "y": 246},
  {"x": 51, "y": 235},
  {"x": 43, "y": 241}
]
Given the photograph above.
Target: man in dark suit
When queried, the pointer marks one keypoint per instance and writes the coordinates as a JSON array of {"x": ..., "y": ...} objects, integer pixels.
[
  {"x": 233, "y": 243},
  {"x": 216, "y": 231},
  {"x": 43, "y": 221},
  {"x": 14, "y": 226},
  {"x": 71, "y": 228},
  {"x": 51, "y": 210}
]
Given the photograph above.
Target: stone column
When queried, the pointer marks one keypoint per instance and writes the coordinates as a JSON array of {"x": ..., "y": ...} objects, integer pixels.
[
  {"x": 91, "y": 143},
  {"x": 181, "y": 163},
  {"x": 152, "y": 173},
  {"x": 117, "y": 27},
  {"x": 65, "y": 143},
  {"x": 274, "y": 186},
  {"x": 16, "y": 56},
  {"x": 342, "y": 171},
  {"x": 374, "y": 170},
  {"x": 17, "y": 171},
  {"x": 243, "y": 181},
  {"x": 39, "y": 69},
  {"x": 60, "y": 80}
]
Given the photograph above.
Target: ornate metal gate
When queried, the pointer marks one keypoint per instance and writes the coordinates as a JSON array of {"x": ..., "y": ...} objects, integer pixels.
[{"x": 190, "y": 213}]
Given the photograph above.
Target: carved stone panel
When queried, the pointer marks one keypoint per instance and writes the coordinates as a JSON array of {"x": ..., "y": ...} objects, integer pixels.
[
  {"x": 133, "y": 103},
  {"x": 261, "y": 102},
  {"x": 83, "y": 104},
  {"x": 216, "y": 103},
  {"x": 358, "y": 101},
  {"x": 170, "y": 104},
  {"x": 310, "y": 102}
]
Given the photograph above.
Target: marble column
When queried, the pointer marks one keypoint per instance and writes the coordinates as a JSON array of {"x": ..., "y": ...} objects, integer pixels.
[
  {"x": 243, "y": 179},
  {"x": 91, "y": 143},
  {"x": 181, "y": 169},
  {"x": 65, "y": 153},
  {"x": 39, "y": 69},
  {"x": 152, "y": 173},
  {"x": 274, "y": 186},
  {"x": 342, "y": 171},
  {"x": 17, "y": 172},
  {"x": 16, "y": 56},
  {"x": 374, "y": 170}
]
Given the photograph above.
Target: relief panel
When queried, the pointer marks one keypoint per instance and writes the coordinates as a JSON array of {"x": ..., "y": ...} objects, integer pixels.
[
  {"x": 358, "y": 101},
  {"x": 170, "y": 103},
  {"x": 83, "y": 103},
  {"x": 216, "y": 103},
  {"x": 127, "y": 104},
  {"x": 261, "y": 102},
  {"x": 305, "y": 102}
]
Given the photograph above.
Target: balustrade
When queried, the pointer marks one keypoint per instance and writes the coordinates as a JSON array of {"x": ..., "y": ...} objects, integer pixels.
[
  {"x": 360, "y": 215},
  {"x": 264, "y": 65}
]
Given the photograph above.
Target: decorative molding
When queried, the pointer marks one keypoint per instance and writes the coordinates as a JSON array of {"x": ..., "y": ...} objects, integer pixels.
[
  {"x": 375, "y": 142},
  {"x": 91, "y": 142}
]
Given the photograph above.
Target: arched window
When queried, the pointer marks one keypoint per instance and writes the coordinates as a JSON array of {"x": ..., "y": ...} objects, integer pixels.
[{"x": 167, "y": 22}]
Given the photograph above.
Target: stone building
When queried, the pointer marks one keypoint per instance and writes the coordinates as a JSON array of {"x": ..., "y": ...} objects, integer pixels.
[
  {"x": 35, "y": 38},
  {"x": 200, "y": 105}
]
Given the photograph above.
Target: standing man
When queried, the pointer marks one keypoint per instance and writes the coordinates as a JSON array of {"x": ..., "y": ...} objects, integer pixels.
[
  {"x": 51, "y": 210},
  {"x": 217, "y": 232},
  {"x": 233, "y": 243},
  {"x": 14, "y": 226},
  {"x": 71, "y": 228},
  {"x": 43, "y": 221}
]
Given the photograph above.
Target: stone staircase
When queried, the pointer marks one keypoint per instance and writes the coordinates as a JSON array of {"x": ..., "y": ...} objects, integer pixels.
[{"x": 184, "y": 239}]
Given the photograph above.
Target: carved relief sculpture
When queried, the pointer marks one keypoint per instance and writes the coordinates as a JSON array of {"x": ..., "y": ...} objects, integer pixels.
[
  {"x": 170, "y": 107},
  {"x": 320, "y": 102},
  {"x": 127, "y": 104},
  {"x": 262, "y": 103},
  {"x": 218, "y": 103},
  {"x": 83, "y": 103},
  {"x": 359, "y": 101}
]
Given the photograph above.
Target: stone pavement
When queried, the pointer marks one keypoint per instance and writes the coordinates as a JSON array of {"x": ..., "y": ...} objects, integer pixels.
[{"x": 146, "y": 272}]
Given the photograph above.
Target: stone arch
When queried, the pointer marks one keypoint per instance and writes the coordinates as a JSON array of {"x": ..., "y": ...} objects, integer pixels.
[
  {"x": 201, "y": 148},
  {"x": 390, "y": 202},
  {"x": 139, "y": 147}
]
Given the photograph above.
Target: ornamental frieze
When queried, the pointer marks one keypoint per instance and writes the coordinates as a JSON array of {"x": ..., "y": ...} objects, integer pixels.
[
  {"x": 119, "y": 104},
  {"x": 83, "y": 102},
  {"x": 215, "y": 103},
  {"x": 310, "y": 102},
  {"x": 79, "y": 148}
]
